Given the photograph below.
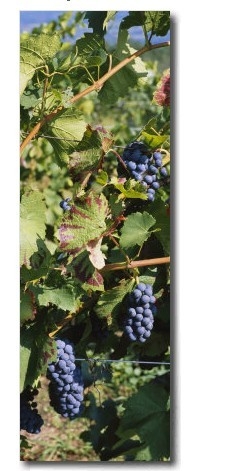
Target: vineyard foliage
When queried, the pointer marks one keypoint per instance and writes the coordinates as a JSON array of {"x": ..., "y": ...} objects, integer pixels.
[{"x": 88, "y": 229}]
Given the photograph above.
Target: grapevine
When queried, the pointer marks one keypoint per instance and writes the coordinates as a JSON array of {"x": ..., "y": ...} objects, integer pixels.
[{"x": 95, "y": 233}]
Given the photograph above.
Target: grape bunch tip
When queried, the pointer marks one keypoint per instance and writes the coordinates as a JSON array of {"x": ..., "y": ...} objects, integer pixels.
[{"x": 30, "y": 420}]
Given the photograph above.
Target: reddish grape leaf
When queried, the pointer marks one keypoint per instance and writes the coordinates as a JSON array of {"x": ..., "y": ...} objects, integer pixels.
[
  {"x": 87, "y": 274},
  {"x": 84, "y": 223}
]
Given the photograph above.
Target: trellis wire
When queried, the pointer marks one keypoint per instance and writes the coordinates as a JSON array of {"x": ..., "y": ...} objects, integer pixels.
[{"x": 104, "y": 360}]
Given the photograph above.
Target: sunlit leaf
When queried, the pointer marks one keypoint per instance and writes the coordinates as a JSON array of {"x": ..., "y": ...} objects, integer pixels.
[
  {"x": 67, "y": 129},
  {"x": 35, "y": 51},
  {"x": 32, "y": 224},
  {"x": 136, "y": 229}
]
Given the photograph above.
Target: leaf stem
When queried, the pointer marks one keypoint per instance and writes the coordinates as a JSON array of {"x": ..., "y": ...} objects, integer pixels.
[
  {"x": 120, "y": 248},
  {"x": 119, "y": 158},
  {"x": 135, "y": 264},
  {"x": 95, "y": 86}
]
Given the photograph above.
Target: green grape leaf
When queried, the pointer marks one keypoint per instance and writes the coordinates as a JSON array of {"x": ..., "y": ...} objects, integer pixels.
[
  {"x": 35, "y": 52},
  {"x": 88, "y": 154},
  {"x": 156, "y": 21},
  {"x": 36, "y": 349},
  {"x": 152, "y": 422},
  {"x": 155, "y": 124},
  {"x": 143, "y": 454},
  {"x": 127, "y": 77},
  {"x": 102, "y": 177},
  {"x": 67, "y": 129},
  {"x": 32, "y": 224},
  {"x": 129, "y": 189},
  {"x": 157, "y": 344},
  {"x": 91, "y": 52},
  {"x": 27, "y": 306},
  {"x": 31, "y": 97},
  {"x": 150, "y": 135},
  {"x": 64, "y": 297},
  {"x": 136, "y": 229},
  {"x": 84, "y": 223},
  {"x": 123, "y": 447},
  {"x": 149, "y": 276},
  {"x": 134, "y": 18},
  {"x": 110, "y": 300},
  {"x": 152, "y": 140},
  {"x": 160, "y": 212},
  {"x": 103, "y": 419},
  {"x": 96, "y": 21}
]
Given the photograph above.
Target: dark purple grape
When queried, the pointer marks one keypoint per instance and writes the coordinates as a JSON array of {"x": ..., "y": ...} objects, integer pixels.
[
  {"x": 64, "y": 204},
  {"x": 137, "y": 293},
  {"x": 153, "y": 169},
  {"x": 131, "y": 165},
  {"x": 145, "y": 299},
  {"x": 163, "y": 172},
  {"x": 148, "y": 179},
  {"x": 141, "y": 287},
  {"x": 139, "y": 310}
]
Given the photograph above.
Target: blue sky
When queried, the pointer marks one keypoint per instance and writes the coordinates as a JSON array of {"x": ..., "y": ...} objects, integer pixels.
[{"x": 32, "y": 19}]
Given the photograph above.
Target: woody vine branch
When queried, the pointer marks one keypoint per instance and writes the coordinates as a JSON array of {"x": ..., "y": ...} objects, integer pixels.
[{"x": 97, "y": 85}]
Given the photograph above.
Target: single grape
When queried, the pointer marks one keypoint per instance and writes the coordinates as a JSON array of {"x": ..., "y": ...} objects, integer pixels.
[
  {"x": 64, "y": 204},
  {"x": 131, "y": 165},
  {"x": 148, "y": 179},
  {"x": 141, "y": 287},
  {"x": 153, "y": 169},
  {"x": 145, "y": 298},
  {"x": 155, "y": 185},
  {"x": 163, "y": 172}
]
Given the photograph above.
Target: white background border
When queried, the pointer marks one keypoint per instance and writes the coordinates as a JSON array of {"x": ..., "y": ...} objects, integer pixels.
[{"x": 204, "y": 238}]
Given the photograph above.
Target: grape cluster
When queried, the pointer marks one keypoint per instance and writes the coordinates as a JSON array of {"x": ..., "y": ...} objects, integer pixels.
[
  {"x": 30, "y": 420},
  {"x": 145, "y": 167},
  {"x": 66, "y": 384},
  {"x": 139, "y": 318}
]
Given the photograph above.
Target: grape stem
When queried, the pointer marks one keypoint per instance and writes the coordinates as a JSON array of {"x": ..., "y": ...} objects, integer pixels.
[
  {"x": 95, "y": 86},
  {"x": 135, "y": 264}
]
